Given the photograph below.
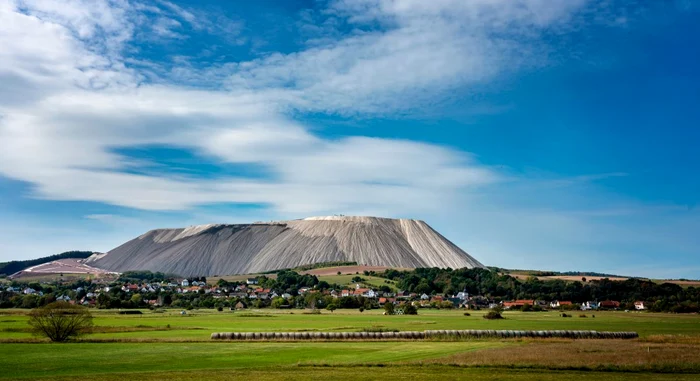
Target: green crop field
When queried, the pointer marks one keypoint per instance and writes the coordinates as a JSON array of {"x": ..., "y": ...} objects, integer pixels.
[{"x": 169, "y": 345}]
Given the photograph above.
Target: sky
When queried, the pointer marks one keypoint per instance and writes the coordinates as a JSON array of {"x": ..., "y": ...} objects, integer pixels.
[{"x": 535, "y": 134}]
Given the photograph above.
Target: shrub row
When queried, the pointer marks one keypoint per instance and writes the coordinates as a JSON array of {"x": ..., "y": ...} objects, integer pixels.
[{"x": 419, "y": 335}]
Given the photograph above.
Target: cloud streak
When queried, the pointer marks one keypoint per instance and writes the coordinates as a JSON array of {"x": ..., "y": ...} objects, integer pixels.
[{"x": 96, "y": 103}]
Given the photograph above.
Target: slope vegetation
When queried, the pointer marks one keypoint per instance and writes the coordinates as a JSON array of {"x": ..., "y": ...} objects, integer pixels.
[{"x": 247, "y": 248}]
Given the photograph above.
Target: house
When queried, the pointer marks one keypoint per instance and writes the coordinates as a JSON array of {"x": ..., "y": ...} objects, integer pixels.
[
  {"x": 29, "y": 291},
  {"x": 185, "y": 283},
  {"x": 557, "y": 303},
  {"x": 424, "y": 297},
  {"x": 383, "y": 301},
  {"x": 366, "y": 292},
  {"x": 462, "y": 295},
  {"x": 304, "y": 290},
  {"x": 589, "y": 306},
  {"x": 610, "y": 304},
  {"x": 286, "y": 295},
  {"x": 457, "y": 302},
  {"x": 63, "y": 298},
  {"x": 251, "y": 281},
  {"x": 239, "y": 306},
  {"x": 345, "y": 293},
  {"x": 518, "y": 303},
  {"x": 639, "y": 306}
]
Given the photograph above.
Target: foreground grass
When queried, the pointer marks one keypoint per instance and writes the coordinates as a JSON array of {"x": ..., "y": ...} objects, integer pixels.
[
  {"x": 387, "y": 373},
  {"x": 156, "y": 346},
  {"x": 609, "y": 355},
  {"x": 36, "y": 361},
  {"x": 197, "y": 325}
]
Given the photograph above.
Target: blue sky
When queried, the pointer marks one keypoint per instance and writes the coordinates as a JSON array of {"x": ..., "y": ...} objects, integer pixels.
[{"x": 534, "y": 134}]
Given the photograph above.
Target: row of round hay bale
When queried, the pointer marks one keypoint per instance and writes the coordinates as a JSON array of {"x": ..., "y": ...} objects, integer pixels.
[{"x": 419, "y": 335}]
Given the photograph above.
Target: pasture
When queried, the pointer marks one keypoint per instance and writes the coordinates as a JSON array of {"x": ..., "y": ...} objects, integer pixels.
[{"x": 167, "y": 345}]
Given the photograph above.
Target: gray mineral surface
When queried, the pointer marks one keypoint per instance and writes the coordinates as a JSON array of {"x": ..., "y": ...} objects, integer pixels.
[{"x": 207, "y": 250}]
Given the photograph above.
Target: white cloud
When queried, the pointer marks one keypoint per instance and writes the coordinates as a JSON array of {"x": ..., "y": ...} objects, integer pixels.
[
  {"x": 89, "y": 104},
  {"x": 69, "y": 99},
  {"x": 425, "y": 48}
]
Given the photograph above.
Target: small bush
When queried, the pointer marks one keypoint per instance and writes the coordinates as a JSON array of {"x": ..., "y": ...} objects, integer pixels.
[
  {"x": 219, "y": 308},
  {"x": 408, "y": 309},
  {"x": 493, "y": 315},
  {"x": 467, "y": 314},
  {"x": 312, "y": 312},
  {"x": 130, "y": 312},
  {"x": 565, "y": 315},
  {"x": 60, "y": 321},
  {"x": 362, "y": 309},
  {"x": 582, "y": 315}
]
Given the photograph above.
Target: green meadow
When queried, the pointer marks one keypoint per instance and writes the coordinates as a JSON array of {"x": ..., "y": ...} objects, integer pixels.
[{"x": 168, "y": 345}]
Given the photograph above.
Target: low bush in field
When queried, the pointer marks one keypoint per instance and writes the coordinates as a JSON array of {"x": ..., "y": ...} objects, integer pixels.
[
  {"x": 130, "y": 312},
  {"x": 493, "y": 315},
  {"x": 467, "y": 314}
]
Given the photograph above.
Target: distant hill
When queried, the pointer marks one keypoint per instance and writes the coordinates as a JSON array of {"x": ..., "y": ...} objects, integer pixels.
[
  {"x": 209, "y": 250},
  {"x": 8, "y": 268},
  {"x": 545, "y": 273}
]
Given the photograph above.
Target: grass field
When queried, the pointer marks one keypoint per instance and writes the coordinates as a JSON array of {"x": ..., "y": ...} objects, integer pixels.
[
  {"x": 525, "y": 274},
  {"x": 197, "y": 325},
  {"x": 328, "y": 274},
  {"x": 168, "y": 345}
]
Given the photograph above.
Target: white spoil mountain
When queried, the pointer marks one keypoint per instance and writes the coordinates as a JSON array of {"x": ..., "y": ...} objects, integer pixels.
[{"x": 208, "y": 250}]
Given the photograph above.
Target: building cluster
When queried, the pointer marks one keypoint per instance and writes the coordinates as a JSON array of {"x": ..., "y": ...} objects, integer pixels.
[
  {"x": 567, "y": 304},
  {"x": 251, "y": 291}
]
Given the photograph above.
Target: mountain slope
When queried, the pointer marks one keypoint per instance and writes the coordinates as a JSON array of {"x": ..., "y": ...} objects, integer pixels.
[
  {"x": 246, "y": 248},
  {"x": 12, "y": 267}
]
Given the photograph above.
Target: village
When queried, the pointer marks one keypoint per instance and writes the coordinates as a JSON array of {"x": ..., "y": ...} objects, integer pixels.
[{"x": 186, "y": 293}]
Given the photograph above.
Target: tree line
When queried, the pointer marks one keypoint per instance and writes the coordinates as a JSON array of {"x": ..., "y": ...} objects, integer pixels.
[{"x": 667, "y": 297}]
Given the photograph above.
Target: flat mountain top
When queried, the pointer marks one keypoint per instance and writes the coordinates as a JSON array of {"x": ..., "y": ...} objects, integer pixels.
[{"x": 223, "y": 249}]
